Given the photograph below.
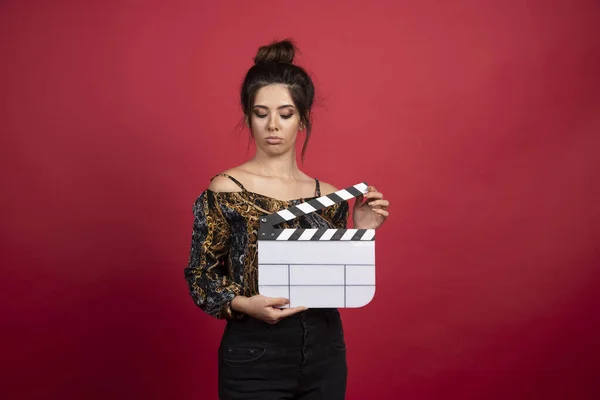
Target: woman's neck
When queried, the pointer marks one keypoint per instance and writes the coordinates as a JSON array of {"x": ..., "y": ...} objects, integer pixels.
[{"x": 283, "y": 166}]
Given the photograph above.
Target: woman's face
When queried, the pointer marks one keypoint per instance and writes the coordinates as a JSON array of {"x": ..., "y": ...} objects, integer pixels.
[{"x": 274, "y": 120}]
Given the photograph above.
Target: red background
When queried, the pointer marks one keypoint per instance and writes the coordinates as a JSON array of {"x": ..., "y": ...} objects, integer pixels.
[{"x": 479, "y": 120}]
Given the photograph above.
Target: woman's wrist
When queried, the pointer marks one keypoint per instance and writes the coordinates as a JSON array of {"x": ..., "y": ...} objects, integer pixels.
[{"x": 238, "y": 303}]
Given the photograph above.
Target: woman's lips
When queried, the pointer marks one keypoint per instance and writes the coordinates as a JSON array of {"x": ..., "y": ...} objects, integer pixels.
[{"x": 274, "y": 140}]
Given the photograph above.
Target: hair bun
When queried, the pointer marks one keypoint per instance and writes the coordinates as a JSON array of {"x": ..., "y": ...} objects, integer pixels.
[{"x": 277, "y": 52}]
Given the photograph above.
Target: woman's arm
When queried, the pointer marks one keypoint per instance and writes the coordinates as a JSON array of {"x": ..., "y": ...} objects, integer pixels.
[{"x": 206, "y": 274}]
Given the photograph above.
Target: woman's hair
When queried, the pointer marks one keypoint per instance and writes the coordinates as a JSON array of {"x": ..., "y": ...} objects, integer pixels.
[{"x": 273, "y": 64}]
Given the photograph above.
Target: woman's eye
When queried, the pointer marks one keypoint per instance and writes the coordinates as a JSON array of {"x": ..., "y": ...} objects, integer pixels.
[{"x": 287, "y": 116}]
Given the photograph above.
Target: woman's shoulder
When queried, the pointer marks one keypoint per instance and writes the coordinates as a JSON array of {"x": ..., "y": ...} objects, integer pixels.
[
  {"x": 219, "y": 190},
  {"x": 224, "y": 182}
]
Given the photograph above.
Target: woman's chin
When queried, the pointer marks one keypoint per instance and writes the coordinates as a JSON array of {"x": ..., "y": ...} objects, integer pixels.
[{"x": 275, "y": 150}]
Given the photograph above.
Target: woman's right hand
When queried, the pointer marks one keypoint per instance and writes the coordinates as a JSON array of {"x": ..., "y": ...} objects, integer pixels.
[{"x": 265, "y": 308}]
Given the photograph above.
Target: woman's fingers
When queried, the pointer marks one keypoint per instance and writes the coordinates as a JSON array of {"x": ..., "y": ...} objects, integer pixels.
[
  {"x": 375, "y": 198},
  {"x": 278, "y": 314},
  {"x": 380, "y": 203},
  {"x": 286, "y": 312},
  {"x": 373, "y": 195},
  {"x": 276, "y": 301},
  {"x": 381, "y": 212}
]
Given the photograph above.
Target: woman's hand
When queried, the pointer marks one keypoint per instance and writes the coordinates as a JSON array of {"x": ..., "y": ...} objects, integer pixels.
[
  {"x": 264, "y": 308},
  {"x": 370, "y": 210}
]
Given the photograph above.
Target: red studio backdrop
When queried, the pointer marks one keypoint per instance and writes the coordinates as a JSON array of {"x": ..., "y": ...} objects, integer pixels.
[{"x": 479, "y": 121}]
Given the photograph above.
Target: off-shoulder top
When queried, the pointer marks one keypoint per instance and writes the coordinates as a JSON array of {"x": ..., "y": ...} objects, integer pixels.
[{"x": 223, "y": 259}]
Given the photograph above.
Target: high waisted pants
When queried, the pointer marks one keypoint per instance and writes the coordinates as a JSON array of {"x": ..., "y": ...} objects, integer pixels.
[{"x": 300, "y": 357}]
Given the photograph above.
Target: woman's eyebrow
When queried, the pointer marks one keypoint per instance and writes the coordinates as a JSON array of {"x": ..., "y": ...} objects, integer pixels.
[{"x": 279, "y": 108}]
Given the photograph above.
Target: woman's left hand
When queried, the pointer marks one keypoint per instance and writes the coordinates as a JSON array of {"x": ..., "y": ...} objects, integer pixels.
[{"x": 370, "y": 210}]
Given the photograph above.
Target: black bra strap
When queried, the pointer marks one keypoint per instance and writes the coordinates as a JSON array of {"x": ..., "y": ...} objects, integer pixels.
[
  {"x": 318, "y": 187},
  {"x": 233, "y": 179}
]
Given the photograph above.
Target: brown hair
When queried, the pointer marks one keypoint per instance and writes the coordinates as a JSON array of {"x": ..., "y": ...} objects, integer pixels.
[{"x": 273, "y": 64}]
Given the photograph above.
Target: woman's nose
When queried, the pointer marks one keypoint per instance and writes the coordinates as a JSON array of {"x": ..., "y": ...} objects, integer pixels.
[{"x": 272, "y": 123}]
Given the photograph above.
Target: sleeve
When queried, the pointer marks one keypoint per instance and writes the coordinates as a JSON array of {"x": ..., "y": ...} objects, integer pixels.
[{"x": 209, "y": 283}]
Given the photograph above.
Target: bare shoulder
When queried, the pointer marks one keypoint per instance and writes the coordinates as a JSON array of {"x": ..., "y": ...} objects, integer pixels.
[
  {"x": 223, "y": 183},
  {"x": 327, "y": 188}
]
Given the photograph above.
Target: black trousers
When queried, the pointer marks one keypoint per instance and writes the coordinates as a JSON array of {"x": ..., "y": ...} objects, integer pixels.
[{"x": 300, "y": 357}]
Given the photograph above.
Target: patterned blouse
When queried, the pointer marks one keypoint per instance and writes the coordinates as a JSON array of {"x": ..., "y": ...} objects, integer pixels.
[{"x": 223, "y": 259}]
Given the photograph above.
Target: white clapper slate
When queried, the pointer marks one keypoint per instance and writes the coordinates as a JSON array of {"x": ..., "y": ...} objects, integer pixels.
[{"x": 317, "y": 268}]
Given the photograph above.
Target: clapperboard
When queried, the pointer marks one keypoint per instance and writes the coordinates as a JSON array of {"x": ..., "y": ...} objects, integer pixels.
[{"x": 317, "y": 268}]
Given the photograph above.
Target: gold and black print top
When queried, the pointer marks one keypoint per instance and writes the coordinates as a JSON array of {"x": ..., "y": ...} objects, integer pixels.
[{"x": 223, "y": 260}]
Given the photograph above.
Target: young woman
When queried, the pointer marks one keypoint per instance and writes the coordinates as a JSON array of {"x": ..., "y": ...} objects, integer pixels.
[{"x": 270, "y": 352}]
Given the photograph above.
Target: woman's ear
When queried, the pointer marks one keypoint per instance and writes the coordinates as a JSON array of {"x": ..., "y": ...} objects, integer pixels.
[{"x": 302, "y": 124}]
